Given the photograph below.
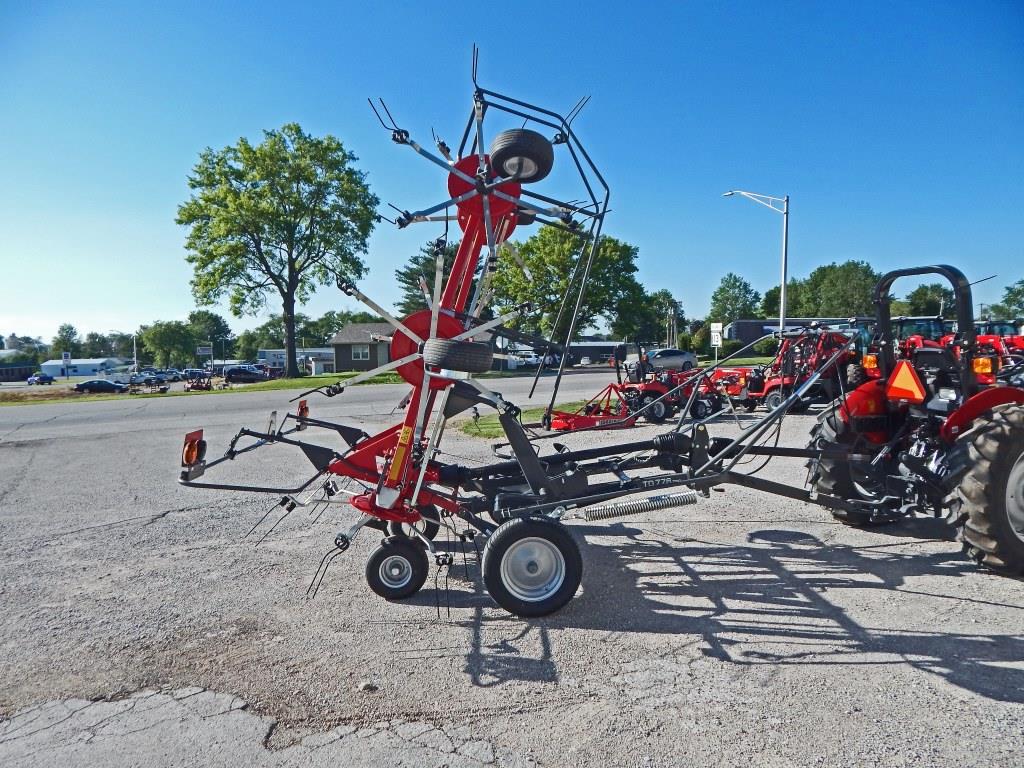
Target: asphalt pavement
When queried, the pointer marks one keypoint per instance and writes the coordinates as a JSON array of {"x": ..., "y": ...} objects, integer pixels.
[{"x": 138, "y": 627}]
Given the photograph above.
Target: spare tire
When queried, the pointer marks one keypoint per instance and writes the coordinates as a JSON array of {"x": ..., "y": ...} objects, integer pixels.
[
  {"x": 465, "y": 356},
  {"x": 524, "y": 154}
]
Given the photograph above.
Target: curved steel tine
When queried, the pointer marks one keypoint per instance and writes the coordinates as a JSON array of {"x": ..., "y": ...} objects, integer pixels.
[
  {"x": 266, "y": 514},
  {"x": 321, "y": 571}
]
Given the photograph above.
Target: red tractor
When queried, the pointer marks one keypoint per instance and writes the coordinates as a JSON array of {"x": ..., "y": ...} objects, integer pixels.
[
  {"x": 800, "y": 355},
  {"x": 938, "y": 441}
]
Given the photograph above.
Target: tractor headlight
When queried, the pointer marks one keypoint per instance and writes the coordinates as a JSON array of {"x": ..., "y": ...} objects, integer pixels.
[
  {"x": 982, "y": 364},
  {"x": 947, "y": 394}
]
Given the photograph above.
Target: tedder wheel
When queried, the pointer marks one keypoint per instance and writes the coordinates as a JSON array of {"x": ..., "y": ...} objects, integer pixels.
[
  {"x": 848, "y": 479},
  {"x": 525, "y": 217},
  {"x": 397, "y": 568},
  {"x": 657, "y": 412},
  {"x": 855, "y": 376},
  {"x": 429, "y": 524},
  {"x": 991, "y": 493},
  {"x": 532, "y": 566},
  {"x": 773, "y": 400},
  {"x": 522, "y": 153},
  {"x": 466, "y": 356}
]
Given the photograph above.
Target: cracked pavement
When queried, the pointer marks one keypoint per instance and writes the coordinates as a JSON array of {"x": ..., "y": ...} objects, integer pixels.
[{"x": 137, "y": 628}]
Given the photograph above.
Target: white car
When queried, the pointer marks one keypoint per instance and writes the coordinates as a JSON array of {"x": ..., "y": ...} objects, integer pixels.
[{"x": 671, "y": 359}]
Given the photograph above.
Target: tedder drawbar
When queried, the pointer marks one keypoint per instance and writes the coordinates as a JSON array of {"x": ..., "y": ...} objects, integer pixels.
[{"x": 531, "y": 565}]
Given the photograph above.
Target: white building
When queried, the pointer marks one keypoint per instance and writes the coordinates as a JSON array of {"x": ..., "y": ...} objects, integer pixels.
[
  {"x": 313, "y": 360},
  {"x": 82, "y": 366}
]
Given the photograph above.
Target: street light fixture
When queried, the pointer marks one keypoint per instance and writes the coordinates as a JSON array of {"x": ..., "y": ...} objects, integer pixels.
[{"x": 779, "y": 205}]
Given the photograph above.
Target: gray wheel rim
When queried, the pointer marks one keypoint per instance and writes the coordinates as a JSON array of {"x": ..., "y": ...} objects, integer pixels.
[
  {"x": 395, "y": 571},
  {"x": 1015, "y": 497},
  {"x": 524, "y": 166},
  {"x": 532, "y": 569},
  {"x": 657, "y": 408}
]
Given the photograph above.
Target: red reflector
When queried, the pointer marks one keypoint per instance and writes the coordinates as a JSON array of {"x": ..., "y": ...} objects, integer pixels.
[
  {"x": 904, "y": 385},
  {"x": 193, "y": 449}
]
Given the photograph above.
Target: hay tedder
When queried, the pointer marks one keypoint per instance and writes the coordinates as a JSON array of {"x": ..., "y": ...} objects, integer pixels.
[{"x": 877, "y": 454}]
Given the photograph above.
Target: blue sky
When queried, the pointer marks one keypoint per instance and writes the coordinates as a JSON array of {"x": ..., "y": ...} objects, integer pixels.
[{"x": 897, "y": 130}]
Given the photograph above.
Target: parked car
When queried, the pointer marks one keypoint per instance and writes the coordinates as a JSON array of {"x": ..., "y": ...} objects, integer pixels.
[
  {"x": 671, "y": 359},
  {"x": 244, "y": 375},
  {"x": 100, "y": 385},
  {"x": 145, "y": 378},
  {"x": 584, "y": 360},
  {"x": 40, "y": 378},
  {"x": 170, "y": 374}
]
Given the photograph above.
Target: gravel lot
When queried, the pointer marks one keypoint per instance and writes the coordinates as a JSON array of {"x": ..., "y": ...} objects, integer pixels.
[{"x": 138, "y": 628}]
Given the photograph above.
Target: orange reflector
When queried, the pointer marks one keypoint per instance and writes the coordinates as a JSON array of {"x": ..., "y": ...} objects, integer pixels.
[
  {"x": 302, "y": 412},
  {"x": 982, "y": 365},
  {"x": 194, "y": 449},
  {"x": 904, "y": 385},
  {"x": 870, "y": 361}
]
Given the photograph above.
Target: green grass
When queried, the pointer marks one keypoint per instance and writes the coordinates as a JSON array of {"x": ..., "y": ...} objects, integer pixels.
[{"x": 488, "y": 427}]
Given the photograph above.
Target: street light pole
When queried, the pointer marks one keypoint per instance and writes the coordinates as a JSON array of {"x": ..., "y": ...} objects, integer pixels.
[{"x": 779, "y": 205}]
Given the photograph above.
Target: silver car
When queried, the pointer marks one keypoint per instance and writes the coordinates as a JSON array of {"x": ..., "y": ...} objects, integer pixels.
[{"x": 671, "y": 359}]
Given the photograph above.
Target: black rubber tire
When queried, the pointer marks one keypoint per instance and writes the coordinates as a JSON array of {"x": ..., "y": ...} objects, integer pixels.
[
  {"x": 750, "y": 405},
  {"x": 855, "y": 376},
  {"x": 510, "y": 544},
  {"x": 428, "y": 525},
  {"x": 658, "y": 412},
  {"x": 991, "y": 492},
  {"x": 836, "y": 478},
  {"x": 466, "y": 356},
  {"x": 524, "y": 143},
  {"x": 773, "y": 399},
  {"x": 397, "y": 568},
  {"x": 687, "y": 366},
  {"x": 700, "y": 410}
]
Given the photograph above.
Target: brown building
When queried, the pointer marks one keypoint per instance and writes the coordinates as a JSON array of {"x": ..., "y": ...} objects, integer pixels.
[{"x": 356, "y": 349}]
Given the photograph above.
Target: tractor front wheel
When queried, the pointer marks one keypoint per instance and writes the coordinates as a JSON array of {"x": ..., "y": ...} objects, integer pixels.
[
  {"x": 991, "y": 493},
  {"x": 656, "y": 410}
]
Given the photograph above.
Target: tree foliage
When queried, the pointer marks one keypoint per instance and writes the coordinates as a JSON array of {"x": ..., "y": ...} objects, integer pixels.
[
  {"x": 551, "y": 256},
  {"x": 831, "y": 290},
  {"x": 420, "y": 265},
  {"x": 1012, "y": 305},
  {"x": 66, "y": 340},
  {"x": 733, "y": 299},
  {"x": 931, "y": 299},
  {"x": 170, "y": 342},
  {"x": 637, "y": 317},
  {"x": 286, "y": 215}
]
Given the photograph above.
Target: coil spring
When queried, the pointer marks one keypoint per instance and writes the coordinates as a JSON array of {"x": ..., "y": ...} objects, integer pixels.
[{"x": 651, "y": 503}]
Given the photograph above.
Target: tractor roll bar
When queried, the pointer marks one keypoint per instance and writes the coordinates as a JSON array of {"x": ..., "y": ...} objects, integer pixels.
[{"x": 964, "y": 318}]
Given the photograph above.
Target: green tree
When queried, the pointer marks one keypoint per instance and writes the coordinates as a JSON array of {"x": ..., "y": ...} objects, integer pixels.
[
  {"x": 1012, "y": 305},
  {"x": 733, "y": 299},
  {"x": 795, "y": 304},
  {"x": 839, "y": 290},
  {"x": 246, "y": 345},
  {"x": 171, "y": 343},
  {"x": 207, "y": 326},
  {"x": 420, "y": 265},
  {"x": 66, "y": 340},
  {"x": 287, "y": 215},
  {"x": 666, "y": 306},
  {"x": 931, "y": 299},
  {"x": 637, "y": 317},
  {"x": 95, "y": 345},
  {"x": 551, "y": 256}
]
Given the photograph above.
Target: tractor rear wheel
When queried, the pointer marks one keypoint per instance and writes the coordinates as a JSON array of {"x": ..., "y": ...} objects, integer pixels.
[
  {"x": 847, "y": 479},
  {"x": 991, "y": 493},
  {"x": 855, "y": 376}
]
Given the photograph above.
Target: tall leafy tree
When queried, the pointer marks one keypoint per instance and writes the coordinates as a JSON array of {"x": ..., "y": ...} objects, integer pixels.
[
  {"x": 839, "y": 290},
  {"x": 207, "y": 326},
  {"x": 794, "y": 299},
  {"x": 284, "y": 216},
  {"x": 420, "y": 265},
  {"x": 95, "y": 345},
  {"x": 551, "y": 256},
  {"x": 1012, "y": 305},
  {"x": 171, "y": 343},
  {"x": 637, "y": 316},
  {"x": 734, "y": 299},
  {"x": 66, "y": 340},
  {"x": 931, "y": 299}
]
